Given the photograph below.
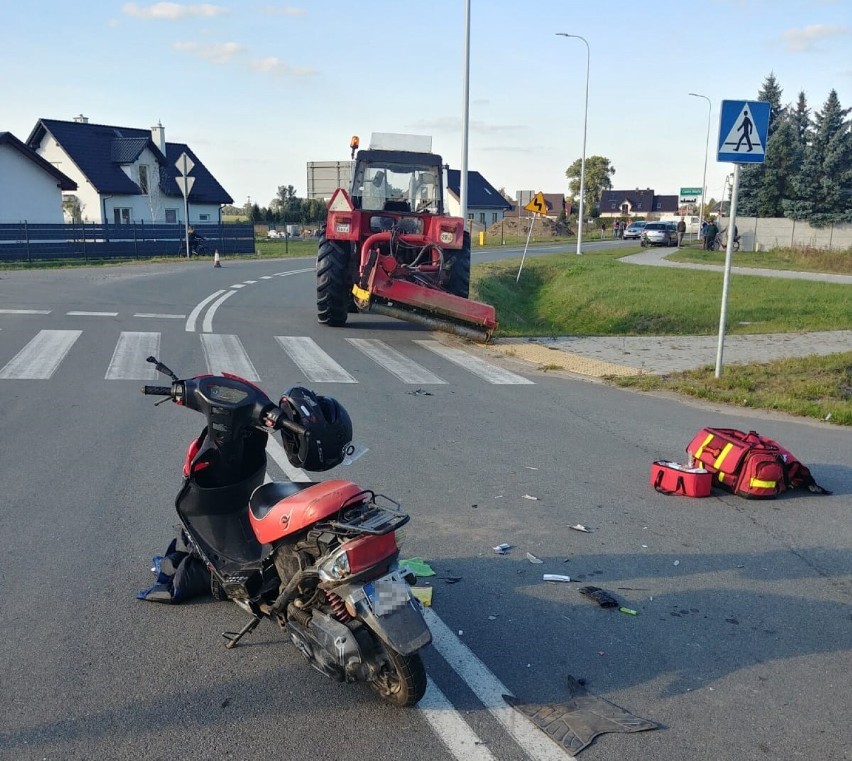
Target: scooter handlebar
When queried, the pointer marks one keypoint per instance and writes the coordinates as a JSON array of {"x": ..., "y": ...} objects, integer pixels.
[{"x": 157, "y": 390}]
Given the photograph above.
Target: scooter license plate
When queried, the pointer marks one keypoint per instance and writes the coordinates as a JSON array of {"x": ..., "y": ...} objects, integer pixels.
[{"x": 387, "y": 593}]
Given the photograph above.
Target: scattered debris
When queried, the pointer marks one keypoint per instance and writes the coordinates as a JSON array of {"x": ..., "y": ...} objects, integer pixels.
[
  {"x": 530, "y": 467},
  {"x": 555, "y": 577},
  {"x": 418, "y": 566},
  {"x": 628, "y": 611},
  {"x": 600, "y": 596},
  {"x": 528, "y": 496},
  {"x": 424, "y": 594},
  {"x": 492, "y": 618},
  {"x": 533, "y": 559},
  {"x": 502, "y": 549},
  {"x": 677, "y": 562},
  {"x": 420, "y": 392},
  {"x": 581, "y": 527},
  {"x": 474, "y": 506},
  {"x": 451, "y": 579}
]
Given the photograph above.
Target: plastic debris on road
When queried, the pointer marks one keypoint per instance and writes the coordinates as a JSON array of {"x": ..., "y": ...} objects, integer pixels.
[
  {"x": 533, "y": 559},
  {"x": 581, "y": 527},
  {"x": 417, "y": 566},
  {"x": 555, "y": 577},
  {"x": 424, "y": 594},
  {"x": 502, "y": 549},
  {"x": 529, "y": 496}
]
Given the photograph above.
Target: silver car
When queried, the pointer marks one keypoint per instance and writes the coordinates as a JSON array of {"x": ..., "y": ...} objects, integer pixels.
[
  {"x": 634, "y": 230},
  {"x": 659, "y": 234}
]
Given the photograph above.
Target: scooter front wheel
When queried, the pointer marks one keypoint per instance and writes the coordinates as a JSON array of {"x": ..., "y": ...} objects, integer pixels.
[{"x": 402, "y": 681}]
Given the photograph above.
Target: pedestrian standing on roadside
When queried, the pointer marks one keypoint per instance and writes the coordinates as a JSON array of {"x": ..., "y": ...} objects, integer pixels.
[
  {"x": 681, "y": 229},
  {"x": 603, "y": 230}
]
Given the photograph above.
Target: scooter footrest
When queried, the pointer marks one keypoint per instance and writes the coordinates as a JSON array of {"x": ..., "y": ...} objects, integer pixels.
[{"x": 242, "y": 585}]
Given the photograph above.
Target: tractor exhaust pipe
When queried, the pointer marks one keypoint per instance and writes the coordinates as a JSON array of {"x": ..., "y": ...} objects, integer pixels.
[{"x": 435, "y": 323}]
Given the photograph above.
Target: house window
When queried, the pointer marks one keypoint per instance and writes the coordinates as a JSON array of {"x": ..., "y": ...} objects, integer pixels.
[
  {"x": 121, "y": 216},
  {"x": 482, "y": 217},
  {"x": 171, "y": 216},
  {"x": 494, "y": 217},
  {"x": 204, "y": 217},
  {"x": 143, "y": 178}
]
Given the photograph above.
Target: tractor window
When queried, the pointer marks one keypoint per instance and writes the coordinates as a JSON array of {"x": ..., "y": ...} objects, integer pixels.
[{"x": 397, "y": 187}]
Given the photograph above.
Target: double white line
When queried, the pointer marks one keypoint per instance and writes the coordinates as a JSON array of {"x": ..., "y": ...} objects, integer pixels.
[{"x": 219, "y": 297}]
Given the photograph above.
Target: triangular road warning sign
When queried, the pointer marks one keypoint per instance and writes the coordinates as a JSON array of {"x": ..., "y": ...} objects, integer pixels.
[
  {"x": 537, "y": 204},
  {"x": 743, "y": 136}
]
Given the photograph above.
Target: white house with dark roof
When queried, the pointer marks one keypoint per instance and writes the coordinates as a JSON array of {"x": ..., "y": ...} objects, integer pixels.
[
  {"x": 126, "y": 175},
  {"x": 485, "y": 205},
  {"x": 30, "y": 187},
  {"x": 635, "y": 203}
]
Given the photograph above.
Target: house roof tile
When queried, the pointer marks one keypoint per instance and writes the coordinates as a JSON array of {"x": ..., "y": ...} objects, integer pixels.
[{"x": 481, "y": 194}]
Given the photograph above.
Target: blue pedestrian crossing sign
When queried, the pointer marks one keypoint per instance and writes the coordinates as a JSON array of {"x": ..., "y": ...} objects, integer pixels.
[{"x": 743, "y": 129}]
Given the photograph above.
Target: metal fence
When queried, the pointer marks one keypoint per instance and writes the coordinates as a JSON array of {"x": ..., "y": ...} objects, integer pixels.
[{"x": 30, "y": 242}]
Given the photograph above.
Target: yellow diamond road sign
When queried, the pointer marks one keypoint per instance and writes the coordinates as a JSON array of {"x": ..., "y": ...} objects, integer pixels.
[{"x": 537, "y": 204}]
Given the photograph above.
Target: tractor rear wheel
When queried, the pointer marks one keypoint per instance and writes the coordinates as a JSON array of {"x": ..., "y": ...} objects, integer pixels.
[
  {"x": 334, "y": 282},
  {"x": 459, "y": 280}
]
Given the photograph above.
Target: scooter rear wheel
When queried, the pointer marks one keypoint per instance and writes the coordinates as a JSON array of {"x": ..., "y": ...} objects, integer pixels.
[{"x": 403, "y": 679}]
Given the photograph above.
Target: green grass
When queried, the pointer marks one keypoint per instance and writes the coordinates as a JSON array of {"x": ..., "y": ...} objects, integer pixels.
[
  {"x": 816, "y": 386},
  {"x": 596, "y": 295},
  {"x": 802, "y": 260}
]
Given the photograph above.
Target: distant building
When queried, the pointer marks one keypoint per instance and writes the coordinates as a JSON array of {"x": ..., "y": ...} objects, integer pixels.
[
  {"x": 636, "y": 203},
  {"x": 125, "y": 174},
  {"x": 485, "y": 205},
  {"x": 30, "y": 187},
  {"x": 556, "y": 204}
]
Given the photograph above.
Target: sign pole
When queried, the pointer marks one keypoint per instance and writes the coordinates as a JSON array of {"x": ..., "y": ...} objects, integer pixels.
[
  {"x": 729, "y": 252},
  {"x": 526, "y": 246},
  {"x": 186, "y": 222}
]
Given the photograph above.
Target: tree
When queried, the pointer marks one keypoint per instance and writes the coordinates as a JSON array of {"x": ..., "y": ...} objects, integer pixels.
[
  {"x": 73, "y": 208},
  {"x": 754, "y": 199},
  {"x": 598, "y": 174}
]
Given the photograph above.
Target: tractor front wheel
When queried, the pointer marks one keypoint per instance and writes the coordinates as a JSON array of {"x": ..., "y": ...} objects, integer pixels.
[
  {"x": 334, "y": 282},
  {"x": 459, "y": 281}
]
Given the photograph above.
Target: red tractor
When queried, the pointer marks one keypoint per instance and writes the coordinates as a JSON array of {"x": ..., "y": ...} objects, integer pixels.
[{"x": 389, "y": 247}]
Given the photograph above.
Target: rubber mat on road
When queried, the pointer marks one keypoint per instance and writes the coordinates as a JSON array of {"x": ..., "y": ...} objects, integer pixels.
[{"x": 576, "y": 722}]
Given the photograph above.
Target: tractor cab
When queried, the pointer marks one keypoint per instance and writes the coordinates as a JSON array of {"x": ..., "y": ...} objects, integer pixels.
[{"x": 398, "y": 181}]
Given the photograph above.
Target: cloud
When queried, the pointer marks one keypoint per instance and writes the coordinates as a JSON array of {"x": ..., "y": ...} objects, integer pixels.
[
  {"x": 283, "y": 10},
  {"x": 273, "y": 65},
  {"x": 173, "y": 11},
  {"x": 807, "y": 39},
  {"x": 217, "y": 52}
]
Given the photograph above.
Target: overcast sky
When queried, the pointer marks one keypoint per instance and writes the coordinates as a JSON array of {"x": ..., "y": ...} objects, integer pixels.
[{"x": 258, "y": 89}]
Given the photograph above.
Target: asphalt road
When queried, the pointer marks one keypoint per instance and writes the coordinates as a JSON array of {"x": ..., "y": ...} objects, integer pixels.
[{"x": 743, "y": 642}]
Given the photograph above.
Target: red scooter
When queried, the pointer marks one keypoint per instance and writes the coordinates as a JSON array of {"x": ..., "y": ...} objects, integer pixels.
[{"x": 318, "y": 559}]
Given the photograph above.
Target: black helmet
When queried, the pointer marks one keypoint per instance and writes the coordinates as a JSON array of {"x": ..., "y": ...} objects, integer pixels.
[{"x": 328, "y": 429}]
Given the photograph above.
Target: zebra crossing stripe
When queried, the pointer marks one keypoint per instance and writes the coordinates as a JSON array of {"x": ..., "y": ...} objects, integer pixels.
[
  {"x": 39, "y": 359},
  {"x": 486, "y": 371},
  {"x": 226, "y": 354},
  {"x": 407, "y": 370},
  {"x": 128, "y": 359},
  {"x": 317, "y": 366}
]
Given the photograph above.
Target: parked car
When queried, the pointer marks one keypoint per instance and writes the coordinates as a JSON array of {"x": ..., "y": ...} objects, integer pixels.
[
  {"x": 634, "y": 230},
  {"x": 659, "y": 234}
]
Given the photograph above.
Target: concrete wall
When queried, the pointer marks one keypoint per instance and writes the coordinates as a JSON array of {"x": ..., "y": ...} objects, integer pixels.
[{"x": 762, "y": 234}]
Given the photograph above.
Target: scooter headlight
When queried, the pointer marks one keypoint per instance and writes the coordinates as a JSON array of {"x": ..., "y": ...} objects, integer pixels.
[{"x": 336, "y": 567}]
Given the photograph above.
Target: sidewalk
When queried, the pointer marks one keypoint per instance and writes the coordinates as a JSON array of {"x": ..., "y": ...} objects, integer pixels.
[{"x": 657, "y": 355}]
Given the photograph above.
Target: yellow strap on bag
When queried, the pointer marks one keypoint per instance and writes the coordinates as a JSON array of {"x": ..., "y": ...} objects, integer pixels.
[
  {"x": 760, "y": 484},
  {"x": 722, "y": 455},
  {"x": 703, "y": 444}
]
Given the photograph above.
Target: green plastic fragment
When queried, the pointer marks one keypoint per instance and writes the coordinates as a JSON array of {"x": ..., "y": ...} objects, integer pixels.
[{"x": 418, "y": 566}]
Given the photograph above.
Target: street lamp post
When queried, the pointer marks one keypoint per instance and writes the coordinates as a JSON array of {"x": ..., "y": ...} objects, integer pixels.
[
  {"x": 706, "y": 149},
  {"x": 583, "y": 160}
]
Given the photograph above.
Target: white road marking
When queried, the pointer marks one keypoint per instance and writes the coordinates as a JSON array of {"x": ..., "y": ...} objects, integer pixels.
[
  {"x": 266, "y": 277},
  {"x": 39, "y": 359},
  {"x": 226, "y": 354},
  {"x": 486, "y": 371},
  {"x": 128, "y": 359},
  {"x": 451, "y": 728},
  {"x": 249, "y": 282},
  {"x": 193, "y": 315},
  {"x": 24, "y": 311},
  {"x": 237, "y": 285},
  {"x": 207, "y": 325},
  {"x": 317, "y": 366},
  {"x": 407, "y": 370},
  {"x": 92, "y": 314},
  {"x": 490, "y": 690},
  {"x": 161, "y": 316},
  {"x": 277, "y": 453}
]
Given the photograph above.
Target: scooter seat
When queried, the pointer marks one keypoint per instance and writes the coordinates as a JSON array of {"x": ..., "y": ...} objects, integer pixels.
[{"x": 266, "y": 496}]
